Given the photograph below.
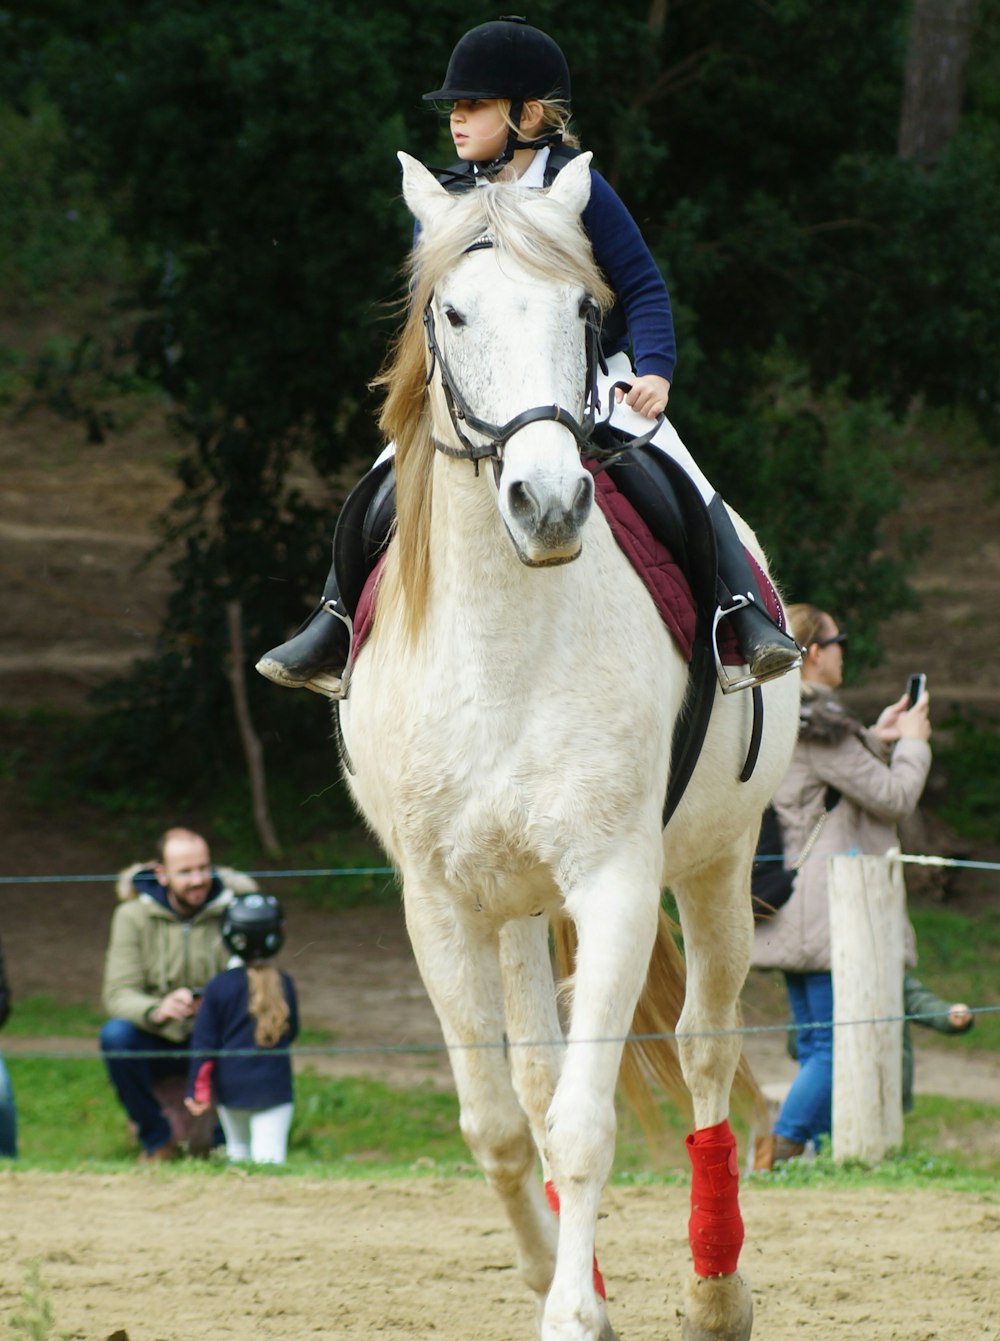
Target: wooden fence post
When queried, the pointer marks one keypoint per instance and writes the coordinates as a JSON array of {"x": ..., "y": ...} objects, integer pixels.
[{"x": 867, "y": 919}]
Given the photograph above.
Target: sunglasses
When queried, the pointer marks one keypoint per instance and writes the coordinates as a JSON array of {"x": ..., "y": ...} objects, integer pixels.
[{"x": 828, "y": 642}]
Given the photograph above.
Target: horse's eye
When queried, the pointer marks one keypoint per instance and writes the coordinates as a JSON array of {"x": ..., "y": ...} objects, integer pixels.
[
  {"x": 454, "y": 318},
  {"x": 587, "y": 306}
]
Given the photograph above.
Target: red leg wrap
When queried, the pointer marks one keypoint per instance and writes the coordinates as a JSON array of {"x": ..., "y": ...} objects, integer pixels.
[
  {"x": 552, "y": 1197},
  {"x": 715, "y": 1228}
]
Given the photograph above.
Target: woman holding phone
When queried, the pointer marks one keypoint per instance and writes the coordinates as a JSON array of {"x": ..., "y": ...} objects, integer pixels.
[{"x": 876, "y": 776}]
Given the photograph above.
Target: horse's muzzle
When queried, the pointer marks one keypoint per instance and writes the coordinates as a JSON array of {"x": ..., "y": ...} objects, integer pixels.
[{"x": 545, "y": 523}]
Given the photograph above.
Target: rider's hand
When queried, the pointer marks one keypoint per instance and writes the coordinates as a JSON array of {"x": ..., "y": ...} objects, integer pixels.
[{"x": 649, "y": 395}]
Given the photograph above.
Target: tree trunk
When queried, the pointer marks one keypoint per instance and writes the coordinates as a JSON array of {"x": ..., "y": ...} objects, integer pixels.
[
  {"x": 251, "y": 742},
  {"x": 940, "y": 40}
]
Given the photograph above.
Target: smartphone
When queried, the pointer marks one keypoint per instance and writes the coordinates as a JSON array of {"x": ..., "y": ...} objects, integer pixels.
[{"x": 915, "y": 687}]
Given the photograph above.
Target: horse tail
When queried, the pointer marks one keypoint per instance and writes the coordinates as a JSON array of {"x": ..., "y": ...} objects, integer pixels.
[{"x": 650, "y": 1063}]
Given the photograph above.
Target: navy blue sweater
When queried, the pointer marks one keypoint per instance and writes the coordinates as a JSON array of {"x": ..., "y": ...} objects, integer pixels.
[
  {"x": 224, "y": 1024},
  {"x": 641, "y": 315},
  {"x": 628, "y": 265}
]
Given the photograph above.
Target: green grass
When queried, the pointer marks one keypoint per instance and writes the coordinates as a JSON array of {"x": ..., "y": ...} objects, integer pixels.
[
  {"x": 960, "y": 961},
  {"x": 948, "y": 1143},
  {"x": 43, "y": 1016},
  {"x": 70, "y": 1120}
]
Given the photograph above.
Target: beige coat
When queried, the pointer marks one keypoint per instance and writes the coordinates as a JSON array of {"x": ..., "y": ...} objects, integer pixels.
[
  {"x": 878, "y": 788},
  {"x": 152, "y": 952}
]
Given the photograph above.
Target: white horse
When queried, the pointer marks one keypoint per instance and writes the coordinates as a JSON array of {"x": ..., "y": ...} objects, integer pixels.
[{"x": 507, "y": 736}]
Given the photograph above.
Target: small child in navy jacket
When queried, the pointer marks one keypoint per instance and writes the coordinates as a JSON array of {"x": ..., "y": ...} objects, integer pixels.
[{"x": 245, "y": 1024}]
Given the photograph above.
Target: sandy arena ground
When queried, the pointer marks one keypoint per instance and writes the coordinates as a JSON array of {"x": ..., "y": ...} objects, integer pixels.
[{"x": 160, "y": 1256}]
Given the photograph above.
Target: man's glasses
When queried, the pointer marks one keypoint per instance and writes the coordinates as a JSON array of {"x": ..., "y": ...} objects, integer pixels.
[{"x": 828, "y": 642}]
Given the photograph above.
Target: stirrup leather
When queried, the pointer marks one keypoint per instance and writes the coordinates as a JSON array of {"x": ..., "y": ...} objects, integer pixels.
[{"x": 732, "y": 684}]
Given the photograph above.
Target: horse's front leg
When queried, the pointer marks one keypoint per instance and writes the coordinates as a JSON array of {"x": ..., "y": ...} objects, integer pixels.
[
  {"x": 717, "y": 923},
  {"x": 458, "y": 958},
  {"x": 615, "y": 911}
]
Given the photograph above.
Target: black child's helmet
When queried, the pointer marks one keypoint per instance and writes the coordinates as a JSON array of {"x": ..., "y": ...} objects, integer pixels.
[
  {"x": 253, "y": 926},
  {"x": 505, "y": 59}
]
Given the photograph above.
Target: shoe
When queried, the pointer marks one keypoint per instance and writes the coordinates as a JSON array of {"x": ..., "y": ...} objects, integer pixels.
[
  {"x": 315, "y": 657},
  {"x": 767, "y": 650},
  {"x": 773, "y": 1149},
  {"x": 162, "y": 1154}
]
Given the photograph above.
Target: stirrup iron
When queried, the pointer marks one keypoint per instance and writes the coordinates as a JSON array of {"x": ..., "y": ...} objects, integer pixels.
[
  {"x": 732, "y": 684},
  {"x": 335, "y": 687}
]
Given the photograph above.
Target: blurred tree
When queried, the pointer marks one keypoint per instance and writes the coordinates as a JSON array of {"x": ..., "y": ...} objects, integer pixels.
[
  {"x": 248, "y": 153},
  {"x": 940, "y": 41}
]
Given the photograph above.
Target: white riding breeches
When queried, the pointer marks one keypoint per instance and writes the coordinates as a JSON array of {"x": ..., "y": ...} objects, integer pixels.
[
  {"x": 257, "y": 1134},
  {"x": 635, "y": 425}
]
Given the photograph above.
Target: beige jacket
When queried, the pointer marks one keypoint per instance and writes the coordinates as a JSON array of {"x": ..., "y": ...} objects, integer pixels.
[
  {"x": 152, "y": 951},
  {"x": 878, "y": 788}
]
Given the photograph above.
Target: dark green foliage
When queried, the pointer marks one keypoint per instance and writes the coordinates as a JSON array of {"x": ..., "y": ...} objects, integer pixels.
[
  {"x": 53, "y": 240},
  {"x": 970, "y": 760}
]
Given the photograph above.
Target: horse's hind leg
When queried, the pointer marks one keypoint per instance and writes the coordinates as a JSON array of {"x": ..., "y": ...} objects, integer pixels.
[
  {"x": 534, "y": 1030},
  {"x": 717, "y": 922},
  {"x": 459, "y": 963}
]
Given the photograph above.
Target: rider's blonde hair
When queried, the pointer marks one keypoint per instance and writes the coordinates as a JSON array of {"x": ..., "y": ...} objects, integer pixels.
[
  {"x": 555, "y": 118},
  {"x": 267, "y": 1004}
]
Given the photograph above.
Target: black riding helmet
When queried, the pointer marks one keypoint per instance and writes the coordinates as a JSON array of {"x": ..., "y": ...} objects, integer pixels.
[
  {"x": 253, "y": 926},
  {"x": 505, "y": 59}
]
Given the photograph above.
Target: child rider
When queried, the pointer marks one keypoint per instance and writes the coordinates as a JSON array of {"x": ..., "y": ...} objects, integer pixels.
[{"x": 509, "y": 89}]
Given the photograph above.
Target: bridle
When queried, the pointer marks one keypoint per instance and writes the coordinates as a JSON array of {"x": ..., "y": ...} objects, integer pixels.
[{"x": 498, "y": 435}]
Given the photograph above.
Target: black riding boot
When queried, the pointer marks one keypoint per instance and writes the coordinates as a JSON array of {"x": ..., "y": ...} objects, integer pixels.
[
  {"x": 315, "y": 656},
  {"x": 767, "y": 650}
]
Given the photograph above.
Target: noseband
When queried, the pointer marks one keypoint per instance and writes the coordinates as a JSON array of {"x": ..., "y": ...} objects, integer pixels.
[{"x": 498, "y": 435}]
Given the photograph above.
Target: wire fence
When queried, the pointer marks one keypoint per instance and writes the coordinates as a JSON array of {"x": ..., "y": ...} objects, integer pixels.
[
  {"x": 915, "y": 859},
  {"x": 504, "y": 1045},
  {"x": 92, "y": 1054}
]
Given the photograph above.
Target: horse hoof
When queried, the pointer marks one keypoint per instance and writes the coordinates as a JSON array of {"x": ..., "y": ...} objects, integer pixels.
[{"x": 719, "y": 1308}]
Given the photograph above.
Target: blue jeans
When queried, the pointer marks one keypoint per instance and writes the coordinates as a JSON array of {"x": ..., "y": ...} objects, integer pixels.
[
  {"x": 8, "y": 1116},
  {"x": 134, "y": 1077},
  {"x": 807, "y": 1112}
]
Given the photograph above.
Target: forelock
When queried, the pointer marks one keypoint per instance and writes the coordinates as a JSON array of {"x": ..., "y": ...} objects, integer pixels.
[{"x": 522, "y": 223}]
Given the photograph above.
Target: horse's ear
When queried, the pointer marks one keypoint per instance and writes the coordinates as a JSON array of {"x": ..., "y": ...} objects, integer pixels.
[
  {"x": 572, "y": 186},
  {"x": 422, "y": 191}
]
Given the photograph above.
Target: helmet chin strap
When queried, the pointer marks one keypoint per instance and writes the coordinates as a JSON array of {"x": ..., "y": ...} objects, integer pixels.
[{"x": 514, "y": 142}]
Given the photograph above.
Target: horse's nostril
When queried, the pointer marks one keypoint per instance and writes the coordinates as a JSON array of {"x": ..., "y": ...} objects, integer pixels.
[
  {"x": 522, "y": 501},
  {"x": 584, "y": 500}
]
